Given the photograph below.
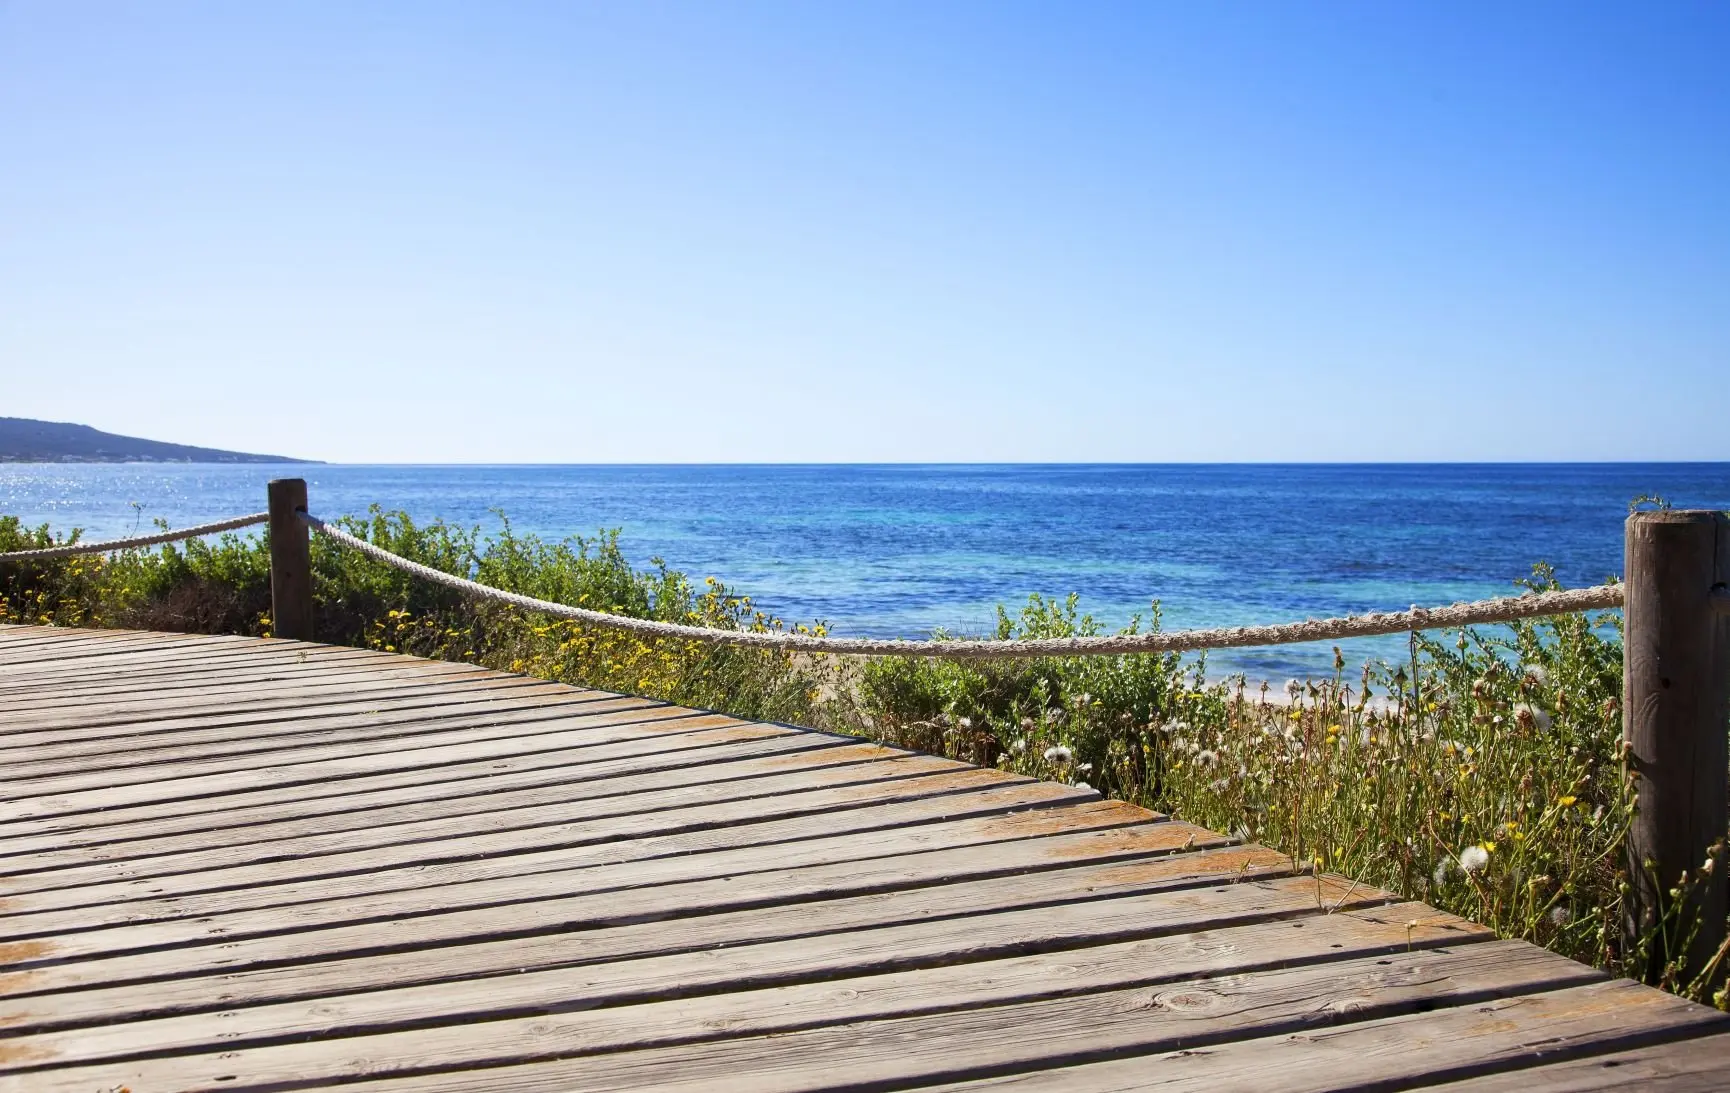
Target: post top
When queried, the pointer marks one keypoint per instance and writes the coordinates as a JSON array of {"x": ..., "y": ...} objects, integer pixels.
[{"x": 1679, "y": 516}]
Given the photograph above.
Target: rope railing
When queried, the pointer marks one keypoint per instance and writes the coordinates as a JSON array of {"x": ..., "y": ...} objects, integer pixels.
[
  {"x": 1676, "y": 657},
  {"x": 1505, "y": 609},
  {"x": 67, "y": 550}
]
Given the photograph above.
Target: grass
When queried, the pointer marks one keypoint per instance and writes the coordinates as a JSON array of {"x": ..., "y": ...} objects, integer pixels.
[{"x": 1483, "y": 774}]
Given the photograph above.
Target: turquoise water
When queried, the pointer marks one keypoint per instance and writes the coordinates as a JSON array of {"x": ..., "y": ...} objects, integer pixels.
[{"x": 900, "y": 550}]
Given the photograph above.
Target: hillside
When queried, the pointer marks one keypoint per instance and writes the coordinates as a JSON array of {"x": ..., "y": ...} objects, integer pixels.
[{"x": 25, "y": 440}]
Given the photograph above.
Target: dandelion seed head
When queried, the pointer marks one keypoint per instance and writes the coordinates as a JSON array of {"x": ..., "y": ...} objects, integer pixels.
[
  {"x": 1559, "y": 916},
  {"x": 1530, "y": 717},
  {"x": 1058, "y": 753},
  {"x": 1536, "y": 675},
  {"x": 1443, "y": 868},
  {"x": 1474, "y": 858},
  {"x": 1293, "y": 688}
]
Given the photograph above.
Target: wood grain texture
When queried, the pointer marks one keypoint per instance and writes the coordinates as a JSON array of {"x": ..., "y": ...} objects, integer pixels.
[
  {"x": 231, "y": 863},
  {"x": 1696, "y": 1066},
  {"x": 698, "y": 998},
  {"x": 291, "y": 608},
  {"x": 1676, "y": 703},
  {"x": 450, "y": 740},
  {"x": 1509, "y": 1034},
  {"x": 265, "y": 829},
  {"x": 570, "y": 773},
  {"x": 1006, "y": 912},
  {"x": 780, "y": 1041},
  {"x": 316, "y": 853}
]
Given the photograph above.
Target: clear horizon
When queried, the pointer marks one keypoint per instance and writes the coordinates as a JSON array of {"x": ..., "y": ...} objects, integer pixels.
[{"x": 773, "y": 233}]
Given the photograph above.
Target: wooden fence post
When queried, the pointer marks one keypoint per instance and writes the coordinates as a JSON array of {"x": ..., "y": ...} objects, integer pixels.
[
  {"x": 290, "y": 562},
  {"x": 1676, "y": 714}
]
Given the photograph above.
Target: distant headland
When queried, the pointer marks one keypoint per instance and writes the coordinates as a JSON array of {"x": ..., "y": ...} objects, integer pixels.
[{"x": 25, "y": 440}]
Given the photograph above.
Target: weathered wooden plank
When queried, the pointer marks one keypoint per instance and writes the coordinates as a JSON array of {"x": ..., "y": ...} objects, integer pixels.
[
  {"x": 26, "y": 631},
  {"x": 813, "y": 1042},
  {"x": 882, "y": 973},
  {"x": 263, "y": 654},
  {"x": 198, "y": 709},
  {"x": 1508, "y": 1033},
  {"x": 73, "y": 671},
  {"x": 491, "y": 721},
  {"x": 526, "y": 707},
  {"x": 671, "y": 730},
  {"x": 338, "y": 887},
  {"x": 201, "y": 719},
  {"x": 288, "y": 660},
  {"x": 332, "y": 920},
  {"x": 261, "y": 679},
  {"x": 215, "y": 651},
  {"x": 143, "y": 703},
  {"x": 147, "y": 694},
  {"x": 721, "y": 778},
  {"x": 572, "y": 773},
  {"x": 359, "y": 728},
  {"x": 15, "y": 646},
  {"x": 1009, "y": 912},
  {"x": 265, "y": 736},
  {"x": 312, "y": 852},
  {"x": 1690, "y": 1066},
  {"x": 23, "y": 635},
  {"x": 213, "y": 665},
  {"x": 95, "y": 641}
]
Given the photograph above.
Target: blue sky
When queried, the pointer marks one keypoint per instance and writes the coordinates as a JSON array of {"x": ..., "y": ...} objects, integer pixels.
[{"x": 871, "y": 232}]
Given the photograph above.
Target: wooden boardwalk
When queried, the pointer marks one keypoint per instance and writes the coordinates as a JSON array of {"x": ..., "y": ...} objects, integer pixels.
[{"x": 235, "y": 864}]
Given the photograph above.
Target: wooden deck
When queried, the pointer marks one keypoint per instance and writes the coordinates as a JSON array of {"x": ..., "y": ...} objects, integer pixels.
[{"x": 241, "y": 864}]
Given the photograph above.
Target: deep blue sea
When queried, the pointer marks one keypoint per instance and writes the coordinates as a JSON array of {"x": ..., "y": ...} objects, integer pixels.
[{"x": 901, "y": 550}]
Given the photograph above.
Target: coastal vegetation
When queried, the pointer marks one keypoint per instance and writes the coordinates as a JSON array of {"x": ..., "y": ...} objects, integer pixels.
[{"x": 1483, "y": 773}]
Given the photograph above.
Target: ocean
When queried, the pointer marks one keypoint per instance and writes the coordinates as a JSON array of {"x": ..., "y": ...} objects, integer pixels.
[{"x": 901, "y": 550}]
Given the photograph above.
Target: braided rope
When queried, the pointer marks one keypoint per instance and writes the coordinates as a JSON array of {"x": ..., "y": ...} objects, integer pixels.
[
  {"x": 1505, "y": 609},
  {"x": 104, "y": 547}
]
